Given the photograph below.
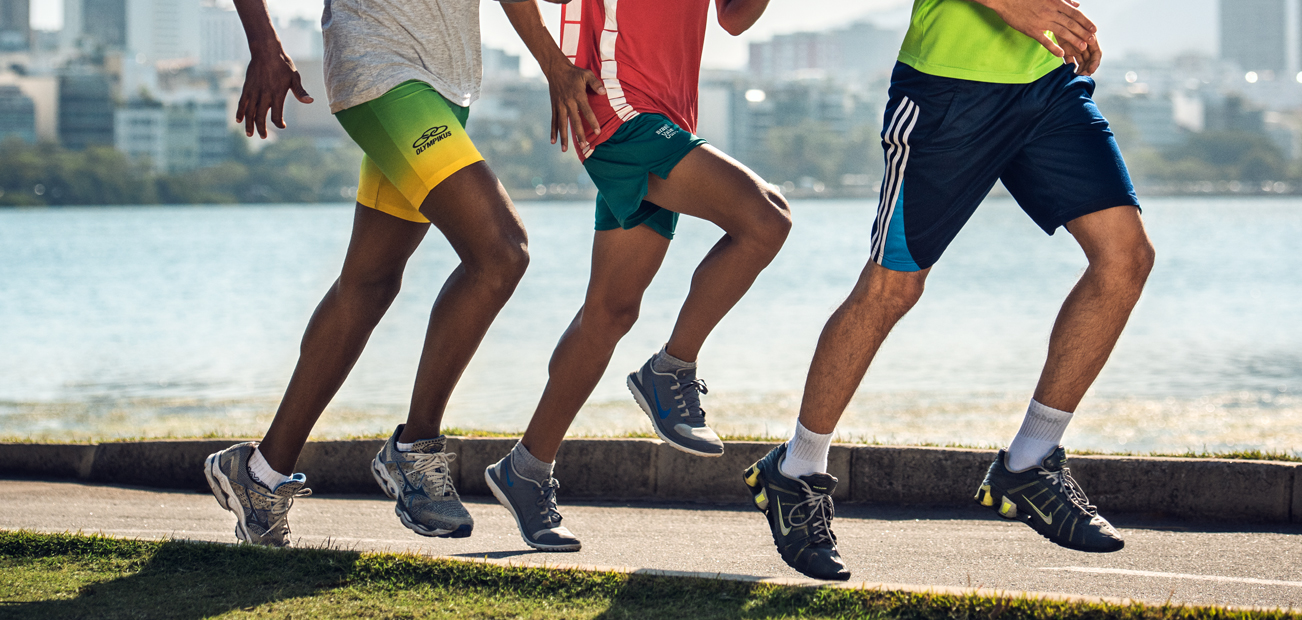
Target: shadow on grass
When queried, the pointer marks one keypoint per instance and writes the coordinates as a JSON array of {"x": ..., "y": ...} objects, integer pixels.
[{"x": 190, "y": 581}]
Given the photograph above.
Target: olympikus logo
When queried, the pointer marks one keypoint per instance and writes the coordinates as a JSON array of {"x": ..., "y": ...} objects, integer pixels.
[
  {"x": 668, "y": 131},
  {"x": 430, "y": 138}
]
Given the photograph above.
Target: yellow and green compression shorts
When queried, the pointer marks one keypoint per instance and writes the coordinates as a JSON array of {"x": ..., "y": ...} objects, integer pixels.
[{"x": 412, "y": 139}]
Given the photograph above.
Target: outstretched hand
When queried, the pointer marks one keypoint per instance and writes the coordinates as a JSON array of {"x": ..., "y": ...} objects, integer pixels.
[
  {"x": 1062, "y": 17},
  {"x": 266, "y": 83},
  {"x": 569, "y": 86}
]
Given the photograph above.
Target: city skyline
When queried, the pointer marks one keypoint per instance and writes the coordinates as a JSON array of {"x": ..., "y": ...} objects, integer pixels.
[{"x": 1126, "y": 27}]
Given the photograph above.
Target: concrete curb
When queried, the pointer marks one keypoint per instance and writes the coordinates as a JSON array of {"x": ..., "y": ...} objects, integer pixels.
[{"x": 1200, "y": 489}]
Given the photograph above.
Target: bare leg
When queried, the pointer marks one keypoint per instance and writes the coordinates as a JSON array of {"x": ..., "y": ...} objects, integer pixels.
[
  {"x": 1120, "y": 258},
  {"x": 755, "y": 219},
  {"x": 851, "y": 339},
  {"x": 623, "y": 265},
  {"x": 472, "y": 210},
  {"x": 340, "y": 327}
]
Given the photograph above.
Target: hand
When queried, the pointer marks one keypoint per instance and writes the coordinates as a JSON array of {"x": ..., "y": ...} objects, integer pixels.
[
  {"x": 1086, "y": 61},
  {"x": 570, "y": 110},
  {"x": 1062, "y": 17},
  {"x": 265, "y": 84}
]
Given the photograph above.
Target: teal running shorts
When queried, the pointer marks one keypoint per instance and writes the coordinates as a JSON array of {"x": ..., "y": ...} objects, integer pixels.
[{"x": 647, "y": 144}]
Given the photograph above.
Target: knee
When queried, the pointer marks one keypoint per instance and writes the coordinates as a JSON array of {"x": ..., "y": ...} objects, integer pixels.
[
  {"x": 502, "y": 270},
  {"x": 611, "y": 318},
  {"x": 772, "y": 222},
  {"x": 897, "y": 291},
  {"x": 1125, "y": 268},
  {"x": 371, "y": 295}
]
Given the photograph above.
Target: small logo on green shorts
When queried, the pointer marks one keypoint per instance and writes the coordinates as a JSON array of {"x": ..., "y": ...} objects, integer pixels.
[
  {"x": 430, "y": 138},
  {"x": 667, "y": 130}
]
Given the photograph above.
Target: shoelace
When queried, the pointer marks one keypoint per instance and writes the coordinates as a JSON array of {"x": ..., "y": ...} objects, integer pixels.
[
  {"x": 819, "y": 517},
  {"x": 279, "y": 513},
  {"x": 1072, "y": 488},
  {"x": 690, "y": 394},
  {"x": 547, "y": 503},
  {"x": 433, "y": 468}
]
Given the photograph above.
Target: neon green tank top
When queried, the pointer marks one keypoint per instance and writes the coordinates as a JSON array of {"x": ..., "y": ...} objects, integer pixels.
[{"x": 964, "y": 40}]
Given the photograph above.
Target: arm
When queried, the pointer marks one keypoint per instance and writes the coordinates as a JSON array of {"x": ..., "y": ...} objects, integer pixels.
[
  {"x": 1061, "y": 17},
  {"x": 737, "y": 16},
  {"x": 270, "y": 75},
  {"x": 568, "y": 84}
]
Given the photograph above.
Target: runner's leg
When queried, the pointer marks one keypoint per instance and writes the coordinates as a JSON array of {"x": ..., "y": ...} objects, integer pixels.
[
  {"x": 623, "y": 265},
  {"x": 755, "y": 219},
  {"x": 473, "y": 211},
  {"x": 1090, "y": 322},
  {"x": 340, "y": 327},
  {"x": 851, "y": 339}
]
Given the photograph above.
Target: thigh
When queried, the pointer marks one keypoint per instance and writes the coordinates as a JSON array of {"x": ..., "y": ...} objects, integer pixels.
[
  {"x": 1073, "y": 167},
  {"x": 710, "y": 185},
  {"x": 380, "y": 246},
  {"x": 472, "y": 210},
  {"x": 624, "y": 262}
]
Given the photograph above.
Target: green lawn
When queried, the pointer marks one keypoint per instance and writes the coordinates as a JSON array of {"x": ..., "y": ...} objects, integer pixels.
[{"x": 73, "y": 576}]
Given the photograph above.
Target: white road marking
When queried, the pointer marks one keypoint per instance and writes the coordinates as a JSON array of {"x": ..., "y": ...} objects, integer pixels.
[{"x": 1149, "y": 573}]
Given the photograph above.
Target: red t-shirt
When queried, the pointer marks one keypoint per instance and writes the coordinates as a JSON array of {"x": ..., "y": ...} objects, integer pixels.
[{"x": 647, "y": 52}]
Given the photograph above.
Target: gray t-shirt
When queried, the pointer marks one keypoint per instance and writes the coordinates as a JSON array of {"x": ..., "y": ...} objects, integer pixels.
[{"x": 373, "y": 45}]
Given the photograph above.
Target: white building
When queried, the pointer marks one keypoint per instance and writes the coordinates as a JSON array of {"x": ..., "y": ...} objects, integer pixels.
[{"x": 173, "y": 137}]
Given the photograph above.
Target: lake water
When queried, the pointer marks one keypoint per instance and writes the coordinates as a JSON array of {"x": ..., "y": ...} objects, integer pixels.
[{"x": 166, "y": 321}]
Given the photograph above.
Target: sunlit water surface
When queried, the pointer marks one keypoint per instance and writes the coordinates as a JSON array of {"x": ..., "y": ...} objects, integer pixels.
[{"x": 167, "y": 321}]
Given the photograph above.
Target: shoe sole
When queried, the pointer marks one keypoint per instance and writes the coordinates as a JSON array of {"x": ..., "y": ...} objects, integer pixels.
[
  {"x": 381, "y": 475},
  {"x": 501, "y": 498},
  {"x": 220, "y": 484},
  {"x": 1007, "y": 509},
  {"x": 646, "y": 408}
]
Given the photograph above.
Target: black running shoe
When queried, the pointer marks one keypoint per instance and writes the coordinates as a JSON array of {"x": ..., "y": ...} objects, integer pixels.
[
  {"x": 1049, "y": 500},
  {"x": 800, "y": 515}
]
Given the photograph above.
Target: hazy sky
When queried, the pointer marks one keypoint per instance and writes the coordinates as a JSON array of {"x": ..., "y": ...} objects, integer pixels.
[{"x": 1153, "y": 27}]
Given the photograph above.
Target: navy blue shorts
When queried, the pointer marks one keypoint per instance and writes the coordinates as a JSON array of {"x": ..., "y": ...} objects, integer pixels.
[{"x": 947, "y": 141}]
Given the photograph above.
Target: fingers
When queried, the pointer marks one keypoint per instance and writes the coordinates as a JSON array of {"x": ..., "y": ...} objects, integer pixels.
[
  {"x": 588, "y": 116},
  {"x": 555, "y": 125},
  {"x": 260, "y": 114},
  {"x": 278, "y": 110},
  {"x": 296, "y": 85},
  {"x": 1071, "y": 33},
  {"x": 1094, "y": 56},
  {"x": 1049, "y": 44},
  {"x": 1074, "y": 14},
  {"x": 594, "y": 82},
  {"x": 250, "y": 111},
  {"x": 563, "y": 127},
  {"x": 239, "y": 107}
]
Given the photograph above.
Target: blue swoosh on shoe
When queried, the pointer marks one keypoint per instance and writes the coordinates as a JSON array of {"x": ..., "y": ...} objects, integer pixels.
[
  {"x": 506, "y": 473},
  {"x": 664, "y": 413}
]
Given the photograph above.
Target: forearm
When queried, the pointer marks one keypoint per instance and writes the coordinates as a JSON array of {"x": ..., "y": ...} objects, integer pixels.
[
  {"x": 528, "y": 23},
  {"x": 257, "y": 27},
  {"x": 737, "y": 16}
]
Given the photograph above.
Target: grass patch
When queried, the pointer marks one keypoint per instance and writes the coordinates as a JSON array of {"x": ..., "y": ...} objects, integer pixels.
[{"x": 75, "y": 576}]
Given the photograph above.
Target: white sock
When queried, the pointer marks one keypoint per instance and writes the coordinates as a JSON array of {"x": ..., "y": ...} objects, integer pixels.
[
  {"x": 806, "y": 453},
  {"x": 1041, "y": 432},
  {"x": 404, "y": 447},
  {"x": 664, "y": 362},
  {"x": 261, "y": 471}
]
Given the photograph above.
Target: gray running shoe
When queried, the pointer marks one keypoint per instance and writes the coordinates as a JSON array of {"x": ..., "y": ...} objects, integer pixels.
[
  {"x": 673, "y": 402},
  {"x": 262, "y": 514},
  {"x": 420, "y": 481},
  {"x": 533, "y": 504}
]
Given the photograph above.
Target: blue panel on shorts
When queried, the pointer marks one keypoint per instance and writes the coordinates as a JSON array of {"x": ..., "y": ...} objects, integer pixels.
[{"x": 896, "y": 255}]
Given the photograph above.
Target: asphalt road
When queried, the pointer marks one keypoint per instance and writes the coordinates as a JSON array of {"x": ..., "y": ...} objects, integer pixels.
[{"x": 1176, "y": 561}]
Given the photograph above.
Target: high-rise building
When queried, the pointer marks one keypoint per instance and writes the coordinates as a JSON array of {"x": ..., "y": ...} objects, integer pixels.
[
  {"x": 163, "y": 31},
  {"x": 174, "y": 137},
  {"x": 15, "y": 25},
  {"x": 17, "y": 115},
  {"x": 85, "y": 110},
  {"x": 1254, "y": 34},
  {"x": 861, "y": 51},
  {"x": 222, "y": 40},
  {"x": 95, "y": 24}
]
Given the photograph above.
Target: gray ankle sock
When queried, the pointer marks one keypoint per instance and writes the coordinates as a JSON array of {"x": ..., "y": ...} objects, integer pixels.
[
  {"x": 529, "y": 466},
  {"x": 664, "y": 362}
]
